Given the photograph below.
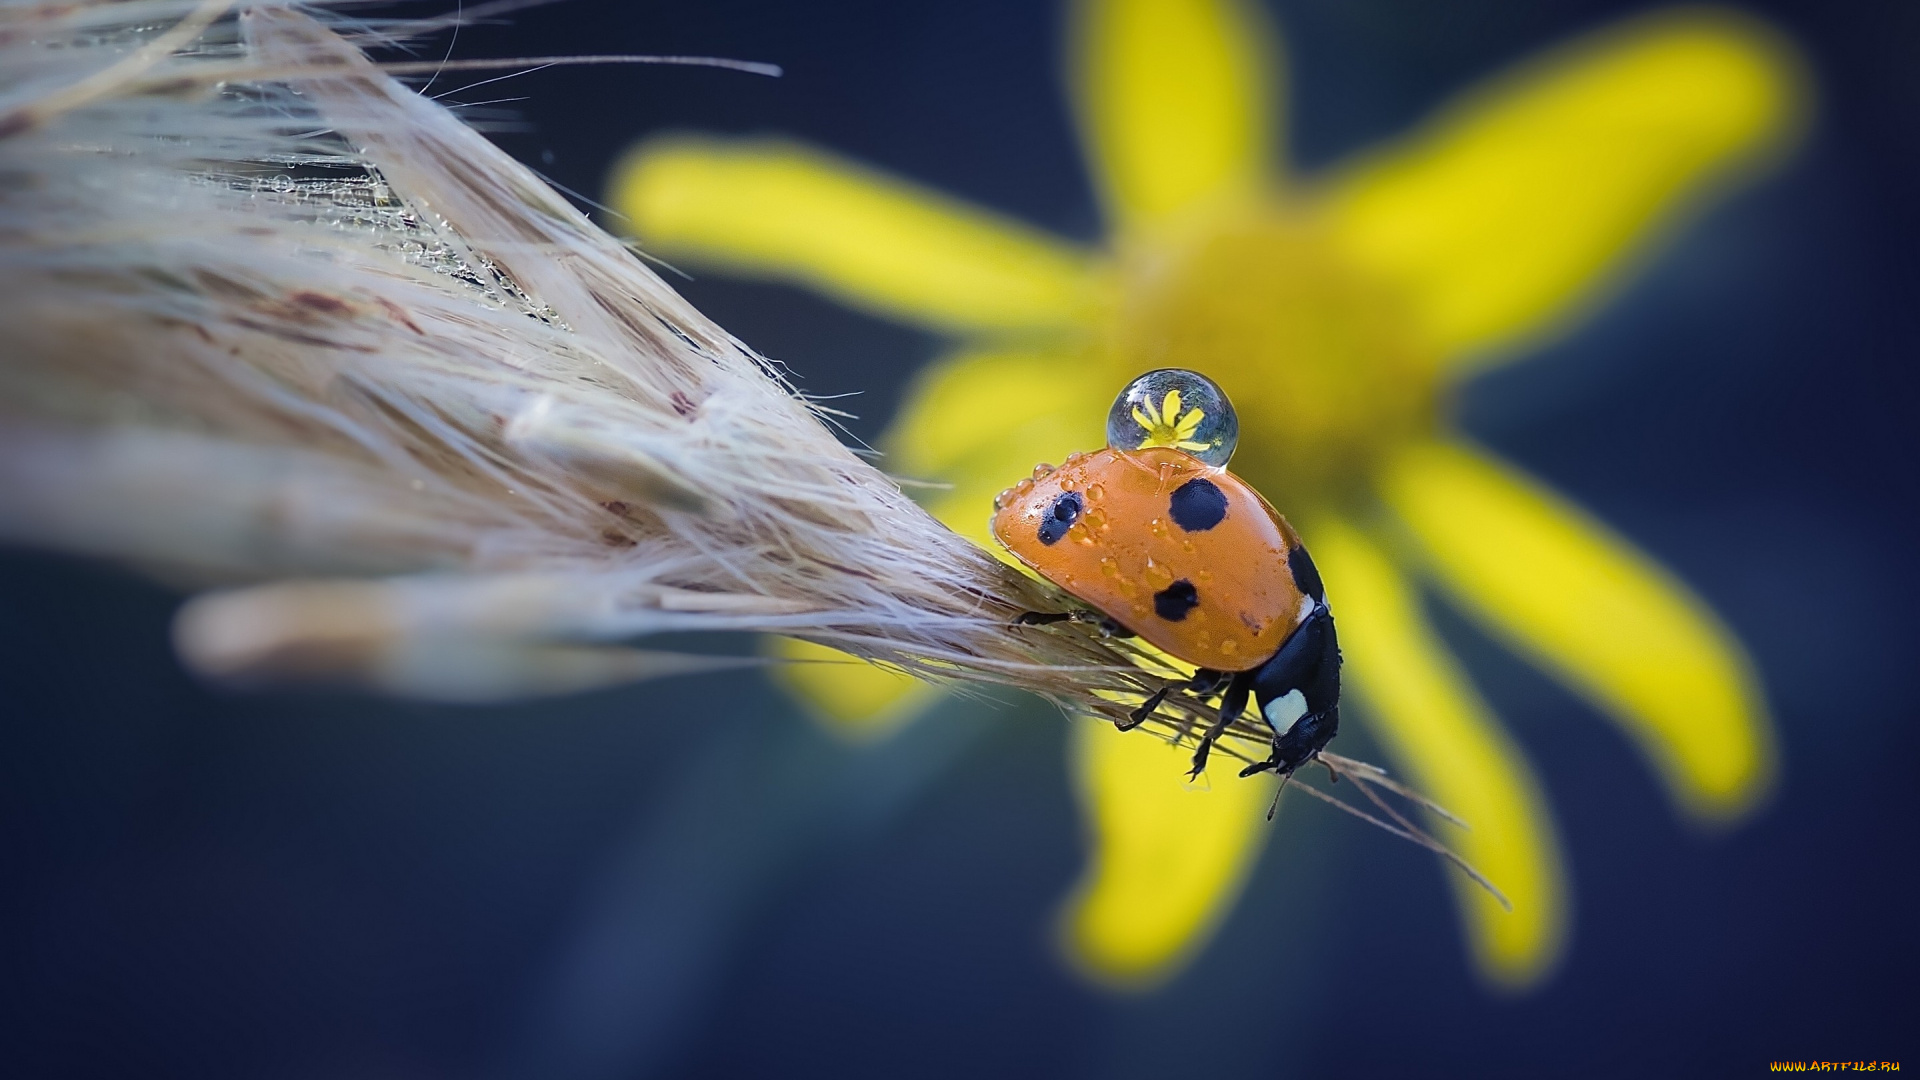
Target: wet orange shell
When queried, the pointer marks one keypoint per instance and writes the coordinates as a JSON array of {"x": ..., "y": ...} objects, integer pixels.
[{"x": 1219, "y": 596}]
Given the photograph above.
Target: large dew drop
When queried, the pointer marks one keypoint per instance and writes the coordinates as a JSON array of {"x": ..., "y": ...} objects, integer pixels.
[{"x": 1178, "y": 408}]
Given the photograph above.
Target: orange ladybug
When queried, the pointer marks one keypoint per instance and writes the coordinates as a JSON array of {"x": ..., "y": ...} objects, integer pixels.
[{"x": 1157, "y": 536}]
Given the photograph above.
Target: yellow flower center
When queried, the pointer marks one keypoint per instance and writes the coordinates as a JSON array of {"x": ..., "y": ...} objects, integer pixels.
[{"x": 1320, "y": 362}]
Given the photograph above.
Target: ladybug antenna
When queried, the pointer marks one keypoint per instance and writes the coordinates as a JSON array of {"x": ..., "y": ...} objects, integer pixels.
[{"x": 1274, "y": 807}]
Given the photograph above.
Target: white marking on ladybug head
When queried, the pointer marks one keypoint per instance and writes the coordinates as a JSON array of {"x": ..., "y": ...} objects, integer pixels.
[{"x": 1282, "y": 711}]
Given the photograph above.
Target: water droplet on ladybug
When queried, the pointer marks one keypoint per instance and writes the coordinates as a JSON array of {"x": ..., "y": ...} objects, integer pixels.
[
  {"x": 1042, "y": 471},
  {"x": 1158, "y": 576},
  {"x": 1178, "y": 408},
  {"x": 1096, "y": 492}
]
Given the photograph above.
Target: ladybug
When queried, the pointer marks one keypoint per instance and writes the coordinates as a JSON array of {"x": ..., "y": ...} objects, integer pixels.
[{"x": 1157, "y": 536}]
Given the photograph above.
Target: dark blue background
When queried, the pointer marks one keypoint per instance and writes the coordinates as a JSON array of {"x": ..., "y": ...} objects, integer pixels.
[{"x": 684, "y": 880}]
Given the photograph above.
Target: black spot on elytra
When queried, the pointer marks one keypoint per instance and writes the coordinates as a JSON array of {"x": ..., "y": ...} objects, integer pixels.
[
  {"x": 1306, "y": 576},
  {"x": 1066, "y": 511},
  {"x": 1173, "y": 602},
  {"x": 1198, "y": 505}
]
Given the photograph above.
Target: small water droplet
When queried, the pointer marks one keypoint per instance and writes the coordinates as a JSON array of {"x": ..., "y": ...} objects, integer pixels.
[
  {"x": 1109, "y": 567},
  {"x": 1042, "y": 470},
  {"x": 1096, "y": 492},
  {"x": 1158, "y": 576}
]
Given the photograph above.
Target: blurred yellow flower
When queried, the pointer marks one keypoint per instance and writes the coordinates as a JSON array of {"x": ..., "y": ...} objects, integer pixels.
[{"x": 1336, "y": 311}]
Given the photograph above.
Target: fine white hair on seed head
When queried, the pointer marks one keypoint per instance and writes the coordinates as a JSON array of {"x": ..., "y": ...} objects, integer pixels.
[{"x": 283, "y": 329}]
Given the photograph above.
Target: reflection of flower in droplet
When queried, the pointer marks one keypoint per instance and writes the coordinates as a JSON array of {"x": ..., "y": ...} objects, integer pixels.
[
  {"x": 1336, "y": 313},
  {"x": 1168, "y": 426}
]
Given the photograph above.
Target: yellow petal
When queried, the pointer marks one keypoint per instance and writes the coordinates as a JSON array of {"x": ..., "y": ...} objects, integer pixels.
[
  {"x": 858, "y": 701},
  {"x": 1517, "y": 207},
  {"x": 1173, "y": 101},
  {"x": 1434, "y": 727},
  {"x": 1168, "y": 857},
  {"x": 1053, "y": 405},
  {"x": 1046, "y": 403},
  {"x": 1561, "y": 587},
  {"x": 796, "y": 214}
]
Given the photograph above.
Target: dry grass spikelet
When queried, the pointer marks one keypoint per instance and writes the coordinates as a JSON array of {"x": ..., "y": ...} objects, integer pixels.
[{"x": 281, "y": 328}]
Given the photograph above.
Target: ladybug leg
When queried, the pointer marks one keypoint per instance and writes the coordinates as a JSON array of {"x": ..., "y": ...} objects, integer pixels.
[
  {"x": 1207, "y": 682},
  {"x": 1232, "y": 704},
  {"x": 1139, "y": 715},
  {"x": 1204, "y": 683}
]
